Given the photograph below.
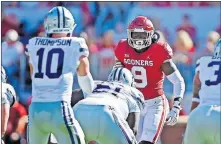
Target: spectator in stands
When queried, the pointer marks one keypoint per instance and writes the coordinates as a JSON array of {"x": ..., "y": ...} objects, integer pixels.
[
  {"x": 110, "y": 14},
  {"x": 16, "y": 124},
  {"x": 194, "y": 4},
  {"x": 212, "y": 38},
  {"x": 162, "y": 3},
  {"x": 29, "y": 4},
  {"x": 218, "y": 29},
  {"x": 12, "y": 49},
  {"x": 93, "y": 57},
  {"x": 183, "y": 51},
  {"x": 183, "y": 48},
  {"x": 144, "y": 4},
  {"x": 188, "y": 27},
  {"x": 106, "y": 55},
  {"x": 159, "y": 27},
  {"x": 9, "y": 22},
  {"x": 119, "y": 32}
]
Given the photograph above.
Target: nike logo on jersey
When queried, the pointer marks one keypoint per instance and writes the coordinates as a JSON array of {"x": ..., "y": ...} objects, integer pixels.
[{"x": 138, "y": 62}]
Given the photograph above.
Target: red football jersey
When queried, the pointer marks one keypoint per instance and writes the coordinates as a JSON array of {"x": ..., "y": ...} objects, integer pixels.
[{"x": 145, "y": 66}]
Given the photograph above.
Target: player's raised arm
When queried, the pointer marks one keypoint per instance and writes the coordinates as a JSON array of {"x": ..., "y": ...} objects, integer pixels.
[
  {"x": 84, "y": 76},
  {"x": 174, "y": 76}
]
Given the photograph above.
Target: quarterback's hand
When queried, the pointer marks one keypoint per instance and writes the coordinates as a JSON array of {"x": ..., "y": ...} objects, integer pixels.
[{"x": 173, "y": 116}]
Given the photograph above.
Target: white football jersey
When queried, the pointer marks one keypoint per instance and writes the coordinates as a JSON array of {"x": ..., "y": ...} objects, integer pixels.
[
  {"x": 124, "y": 99},
  {"x": 54, "y": 61},
  {"x": 209, "y": 70},
  {"x": 8, "y": 94}
]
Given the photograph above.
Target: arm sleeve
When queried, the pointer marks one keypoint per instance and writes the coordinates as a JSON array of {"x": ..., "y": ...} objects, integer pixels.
[
  {"x": 86, "y": 83},
  {"x": 178, "y": 84}
]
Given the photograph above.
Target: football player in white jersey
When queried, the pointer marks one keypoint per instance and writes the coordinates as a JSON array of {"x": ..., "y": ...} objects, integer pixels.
[
  {"x": 203, "y": 125},
  {"x": 54, "y": 59},
  {"x": 110, "y": 115},
  {"x": 8, "y": 97}
]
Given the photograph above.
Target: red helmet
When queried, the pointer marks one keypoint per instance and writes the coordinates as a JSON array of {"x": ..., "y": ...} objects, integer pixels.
[{"x": 140, "y": 32}]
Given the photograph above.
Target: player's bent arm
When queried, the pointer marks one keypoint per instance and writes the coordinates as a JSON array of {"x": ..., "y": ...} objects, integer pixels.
[
  {"x": 133, "y": 121},
  {"x": 196, "y": 89},
  {"x": 5, "y": 110},
  {"x": 174, "y": 76},
  {"x": 84, "y": 76}
]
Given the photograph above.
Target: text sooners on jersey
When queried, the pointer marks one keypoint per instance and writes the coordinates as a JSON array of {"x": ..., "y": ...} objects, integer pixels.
[{"x": 145, "y": 66}]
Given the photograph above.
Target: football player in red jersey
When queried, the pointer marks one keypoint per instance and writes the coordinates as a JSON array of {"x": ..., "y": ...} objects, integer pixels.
[{"x": 150, "y": 60}]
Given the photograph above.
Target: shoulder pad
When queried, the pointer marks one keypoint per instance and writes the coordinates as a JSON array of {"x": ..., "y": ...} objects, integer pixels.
[
  {"x": 202, "y": 59},
  {"x": 83, "y": 48}
]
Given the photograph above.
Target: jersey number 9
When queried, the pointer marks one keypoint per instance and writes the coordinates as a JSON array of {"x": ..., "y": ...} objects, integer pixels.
[{"x": 140, "y": 76}]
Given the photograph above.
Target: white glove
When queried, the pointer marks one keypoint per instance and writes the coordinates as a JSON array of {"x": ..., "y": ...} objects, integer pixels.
[{"x": 173, "y": 116}]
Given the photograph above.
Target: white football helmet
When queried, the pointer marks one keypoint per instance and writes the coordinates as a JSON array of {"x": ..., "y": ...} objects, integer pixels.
[
  {"x": 217, "y": 49},
  {"x": 3, "y": 75},
  {"x": 59, "y": 20},
  {"x": 123, "y": 75}
]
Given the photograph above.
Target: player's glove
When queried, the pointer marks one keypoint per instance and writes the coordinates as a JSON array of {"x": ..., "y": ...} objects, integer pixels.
[{"x": 173, "y": 116}]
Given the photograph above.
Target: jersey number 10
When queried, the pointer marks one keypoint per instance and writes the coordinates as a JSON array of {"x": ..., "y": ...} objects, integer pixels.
[{"x": 50, "y": 54}]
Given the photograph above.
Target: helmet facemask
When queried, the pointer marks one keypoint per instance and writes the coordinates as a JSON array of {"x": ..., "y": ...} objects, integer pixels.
[{"x": 139, "y": 38}]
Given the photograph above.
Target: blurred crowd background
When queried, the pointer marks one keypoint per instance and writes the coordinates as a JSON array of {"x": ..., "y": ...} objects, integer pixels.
[{"x": 191, "y": 29}]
